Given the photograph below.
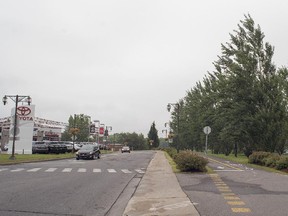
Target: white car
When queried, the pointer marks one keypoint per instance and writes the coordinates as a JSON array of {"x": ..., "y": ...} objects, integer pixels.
[{"x": 125, "y": 149}]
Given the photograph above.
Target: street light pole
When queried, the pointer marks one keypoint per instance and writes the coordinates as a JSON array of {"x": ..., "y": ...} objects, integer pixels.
[
  {"x": 177, "y": 109},
  {"x": 97, "y": 131},
  {"x": 16, "y": 99}
]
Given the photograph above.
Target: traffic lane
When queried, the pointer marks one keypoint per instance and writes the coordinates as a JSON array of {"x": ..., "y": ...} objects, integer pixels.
[
  {"x": 236, "y": 191},
  {"x": 218, "y": 164},
  {"x": 263, "y": 192},
  {"x": 113, "y": 160},
  {"x": 62, "y": 193},
  {"x": 65, "y": 193},
  {"x": 203, "y": 194}
]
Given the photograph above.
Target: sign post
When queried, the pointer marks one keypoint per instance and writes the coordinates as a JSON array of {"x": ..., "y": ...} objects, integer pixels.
[{"x": 207, "y": 131}]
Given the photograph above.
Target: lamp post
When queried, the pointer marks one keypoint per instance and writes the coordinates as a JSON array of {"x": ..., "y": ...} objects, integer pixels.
[
  {"x": 16, "y": 99},
  {"x": 106, "y": 133},
  {"x": 97, "y": 131},
  {"x": 176, "y": 107}
]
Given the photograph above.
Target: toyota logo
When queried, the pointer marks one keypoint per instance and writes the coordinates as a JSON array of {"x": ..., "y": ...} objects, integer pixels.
[{"x": 24, "y": 111}]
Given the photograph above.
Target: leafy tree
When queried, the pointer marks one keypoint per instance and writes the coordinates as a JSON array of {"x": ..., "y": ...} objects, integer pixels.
[
  {"x": 133, "y": 140},
  {"x": 153, "y": 139},
  {"x": 78, "y": 126},
  {"x": 244, "y": 100}
]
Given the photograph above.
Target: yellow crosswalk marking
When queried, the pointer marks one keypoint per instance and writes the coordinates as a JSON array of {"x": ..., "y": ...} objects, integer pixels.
[
  {"x": 236, "y": 203},
  {"x": 241, "y": 209},
  {"x": 231, "y": 198}
]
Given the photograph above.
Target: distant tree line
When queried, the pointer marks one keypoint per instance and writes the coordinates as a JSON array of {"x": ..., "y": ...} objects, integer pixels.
[
  {"x": 133, "y": 140},
  {"x": 78, "y": 128},
  {"x": 244, "y": 100}
]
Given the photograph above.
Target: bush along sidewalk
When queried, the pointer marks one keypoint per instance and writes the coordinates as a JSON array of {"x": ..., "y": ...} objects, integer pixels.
[
  {"x": 188, "y": 161},
  {"x": 271, "y": 160}
]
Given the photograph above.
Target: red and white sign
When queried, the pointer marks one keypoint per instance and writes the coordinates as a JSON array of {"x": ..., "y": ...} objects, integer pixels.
[
  {"x": 24, "y": 113},
  {"x": 101, "y": 130}
]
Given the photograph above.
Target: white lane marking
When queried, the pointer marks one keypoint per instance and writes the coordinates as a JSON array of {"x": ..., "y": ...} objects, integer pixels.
[
  {"x": 126, "y": 171},
  {"x": 220, "y": 167},
  {"x": 139, "y": 171},
  {"x": 67, "y": 170},
  {"x": 82, "y": 170},
  {"x": 51, "y": 170},
  {"x": 17, "y": 170},
  {"x": 34, "y": 170},
  {"x": 229, "y": 170},
  {"x": 97, "y": 170}
]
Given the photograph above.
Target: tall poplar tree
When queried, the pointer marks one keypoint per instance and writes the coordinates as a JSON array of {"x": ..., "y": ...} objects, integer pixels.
[{"x": 153, "y": 139}]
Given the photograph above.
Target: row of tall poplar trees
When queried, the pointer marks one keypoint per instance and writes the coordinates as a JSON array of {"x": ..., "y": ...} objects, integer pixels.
[{"x": 244, "y": 100}]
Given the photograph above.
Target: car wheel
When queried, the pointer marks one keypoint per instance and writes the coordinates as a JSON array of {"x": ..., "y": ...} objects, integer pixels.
[
  {"x": 77, "y": 158},
  {"x": 93, "y": 157},
  {"x": 98, "y": 156}
]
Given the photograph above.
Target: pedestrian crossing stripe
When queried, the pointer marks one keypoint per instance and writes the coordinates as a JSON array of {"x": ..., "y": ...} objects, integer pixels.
[
  {"x": 33, "y": 170},
  {"x": 17, "y": 170},
  {"x": 126, "y": 171},
  {"x": 81, "y": 170},
  {"x": 139, "y": 171},
  {"x": 68, "y": 170},
  {"x": 51, "y": 170}
]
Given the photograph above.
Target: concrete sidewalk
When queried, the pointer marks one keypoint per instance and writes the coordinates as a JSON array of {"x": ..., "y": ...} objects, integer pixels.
[{"x": 159, "y": 193}]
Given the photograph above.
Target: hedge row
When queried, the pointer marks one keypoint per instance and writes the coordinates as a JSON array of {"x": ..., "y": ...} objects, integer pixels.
[
  {"x": 188, "y": 161},
  {"x": 270, "y": 160}
]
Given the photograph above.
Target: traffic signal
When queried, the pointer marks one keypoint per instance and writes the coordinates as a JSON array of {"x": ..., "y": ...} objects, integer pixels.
[
  {"x": 92, "y": 129},
  {"x": 106, "y": 133}
]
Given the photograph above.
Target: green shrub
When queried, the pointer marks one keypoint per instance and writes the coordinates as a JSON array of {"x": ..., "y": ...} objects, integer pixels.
[
  {"x": 258, "y": 157},
  {"x": 171, "y": 151},
  {"x": 187, "y": 161},
  {"x": 282, "y": 163},
  {"x": 271, "y": 160}
]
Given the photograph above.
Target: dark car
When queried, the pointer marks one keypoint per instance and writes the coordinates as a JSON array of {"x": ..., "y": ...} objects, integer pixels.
[
  {"x": 40, "y": 147},
  {"x": 68, "y": 144},
  {"x": 88, "y": 152},
  {"x": 57, "y": 147},
  {"x": 125, "y": 149}
]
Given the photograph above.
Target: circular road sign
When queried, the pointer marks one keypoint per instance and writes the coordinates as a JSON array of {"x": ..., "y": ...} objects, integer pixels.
[{"x": 207, "y": 130}]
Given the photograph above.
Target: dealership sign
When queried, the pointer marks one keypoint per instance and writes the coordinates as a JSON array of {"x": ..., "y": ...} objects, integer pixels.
[
  {"x": 24, "y": 113},
  {"x": 24, "y": 129}
]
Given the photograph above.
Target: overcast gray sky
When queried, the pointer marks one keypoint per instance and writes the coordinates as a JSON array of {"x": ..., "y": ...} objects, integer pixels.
[{"x": 121, "y": 62}]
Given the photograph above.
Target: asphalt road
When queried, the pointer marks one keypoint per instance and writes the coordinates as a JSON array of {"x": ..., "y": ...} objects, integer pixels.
[
  {"x": 70, "y": 187},
  {"x": 235, "y": 189}
]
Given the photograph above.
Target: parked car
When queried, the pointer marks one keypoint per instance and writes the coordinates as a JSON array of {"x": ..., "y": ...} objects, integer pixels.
[
  {"x": 125, "y": 149},
  {"x": 68, "y": 144},
  {"x": 57, "y": 147},
  {"x": 88, "y": 152},
  {"x": 40, "y": 147}
]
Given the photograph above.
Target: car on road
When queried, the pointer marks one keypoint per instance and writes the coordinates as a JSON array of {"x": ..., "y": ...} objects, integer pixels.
[
  {"x": 88, "y": 152},
  {"x": 125, "y": 149}
]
